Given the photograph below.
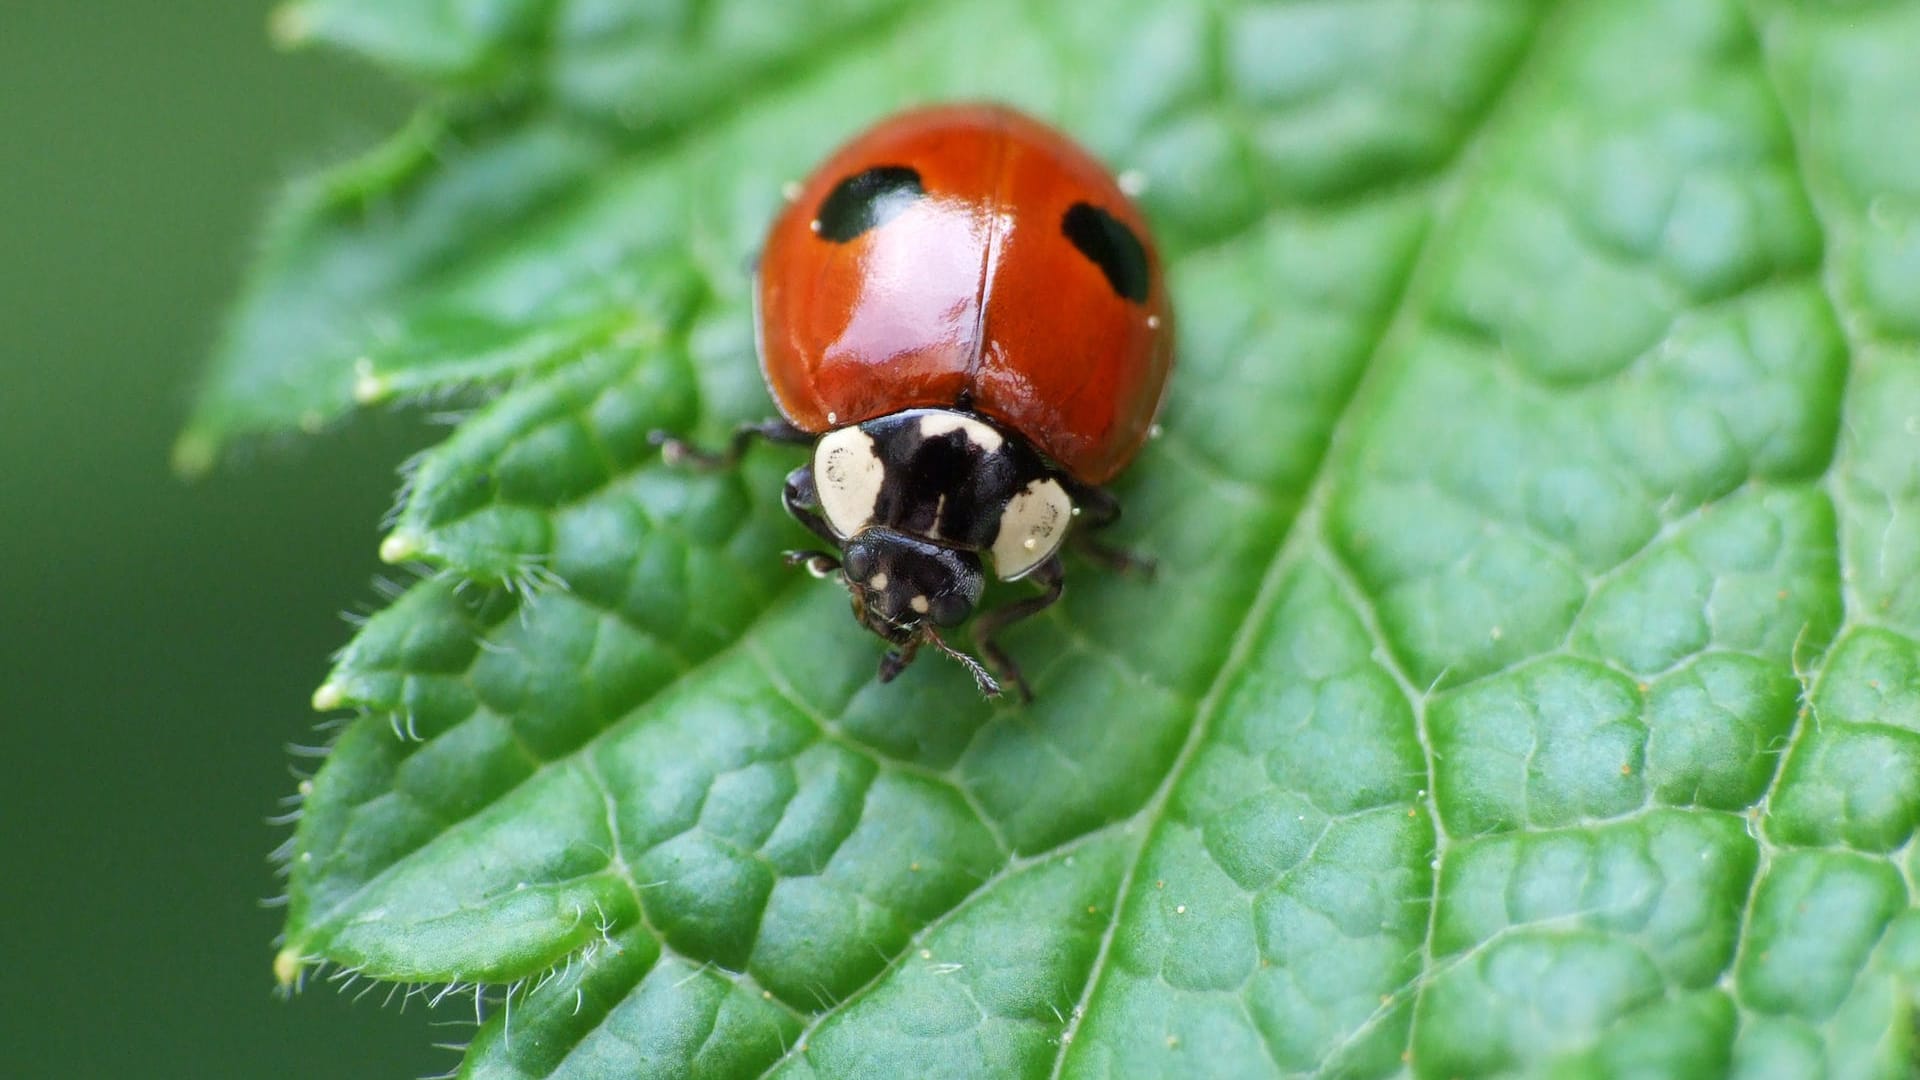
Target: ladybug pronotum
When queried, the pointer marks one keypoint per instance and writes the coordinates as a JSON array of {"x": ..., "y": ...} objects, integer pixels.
[{"x": 964, "y": 316}]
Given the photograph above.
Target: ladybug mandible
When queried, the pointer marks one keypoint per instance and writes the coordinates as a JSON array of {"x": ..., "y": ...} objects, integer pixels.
[{"x": 963, "y": 315}]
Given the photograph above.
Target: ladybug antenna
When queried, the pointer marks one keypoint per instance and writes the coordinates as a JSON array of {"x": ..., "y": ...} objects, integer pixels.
[{"x": 989, "y": 686}]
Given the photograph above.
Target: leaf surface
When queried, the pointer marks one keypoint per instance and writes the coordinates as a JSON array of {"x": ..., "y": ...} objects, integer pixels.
[{"x": 1532, "y": 680}]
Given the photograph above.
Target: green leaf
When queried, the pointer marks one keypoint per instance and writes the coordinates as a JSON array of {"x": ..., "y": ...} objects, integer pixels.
[{"x": 1532, "y": 681}]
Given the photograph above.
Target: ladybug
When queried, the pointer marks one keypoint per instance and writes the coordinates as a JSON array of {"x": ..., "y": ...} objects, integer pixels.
[{"x": 963, "y": 315}]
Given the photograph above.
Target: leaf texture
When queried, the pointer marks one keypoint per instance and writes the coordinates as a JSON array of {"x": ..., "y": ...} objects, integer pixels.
[{"x": 1532, "y": 681}]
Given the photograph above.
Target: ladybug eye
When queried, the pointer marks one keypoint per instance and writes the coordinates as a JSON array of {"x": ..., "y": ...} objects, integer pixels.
[
  {"x": 859, "y": 563},
  {"x": 1107, "y": 243},
  {"x": 951, "y": 610},
  {"x": 867, "y": 200}
]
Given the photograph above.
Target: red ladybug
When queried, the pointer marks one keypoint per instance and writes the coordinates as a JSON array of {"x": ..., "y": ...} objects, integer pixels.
[{"x": 964, "y": 315}]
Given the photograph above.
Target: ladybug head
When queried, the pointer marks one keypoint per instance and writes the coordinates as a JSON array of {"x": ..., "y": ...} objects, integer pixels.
[
  {"x": 903, "y": 586},
  {"x": 906, "y": 590}
]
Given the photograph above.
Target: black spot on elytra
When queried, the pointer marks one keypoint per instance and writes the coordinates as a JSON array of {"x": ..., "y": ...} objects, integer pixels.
[
  {"x": 867, "y": 200},
  {"x": 1107, "y": 242}
]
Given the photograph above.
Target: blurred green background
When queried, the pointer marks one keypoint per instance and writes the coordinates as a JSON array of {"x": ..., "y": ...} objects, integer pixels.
[{"x": 161, "y": 638}]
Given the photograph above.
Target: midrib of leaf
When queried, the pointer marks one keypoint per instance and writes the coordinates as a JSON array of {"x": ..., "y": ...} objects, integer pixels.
[{"x": 1302, "y": 533}]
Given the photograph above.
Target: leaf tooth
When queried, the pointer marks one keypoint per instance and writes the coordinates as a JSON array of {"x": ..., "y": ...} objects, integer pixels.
[
  {"x": 329, "y": 696},
  {"x": 288, "y": 963},
  {"x": 400, "y": 546}
]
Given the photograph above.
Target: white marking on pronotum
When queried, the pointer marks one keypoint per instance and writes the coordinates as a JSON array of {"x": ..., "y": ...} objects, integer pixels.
[
  {"x": 1031, "y": 528},
  {"x": 920, "y": 605},
  {"x": 847, "y": 473},
  {"x": 935, "y": 424},
  {"x": 878, "y": 581}
]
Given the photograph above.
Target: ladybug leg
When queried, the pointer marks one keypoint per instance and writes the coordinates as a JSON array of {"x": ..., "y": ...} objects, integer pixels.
[
  {"x": 1097, "y": 509},
  {"x": 821, "y": 564},
  {"x": 679, "y": 452},
  {"x": 1051, "y": 577},
  {"x": 800, "y": 499}
]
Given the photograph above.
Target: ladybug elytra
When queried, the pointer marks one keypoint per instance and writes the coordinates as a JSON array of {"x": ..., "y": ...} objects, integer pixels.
[{"x": 964, "y": 316}]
